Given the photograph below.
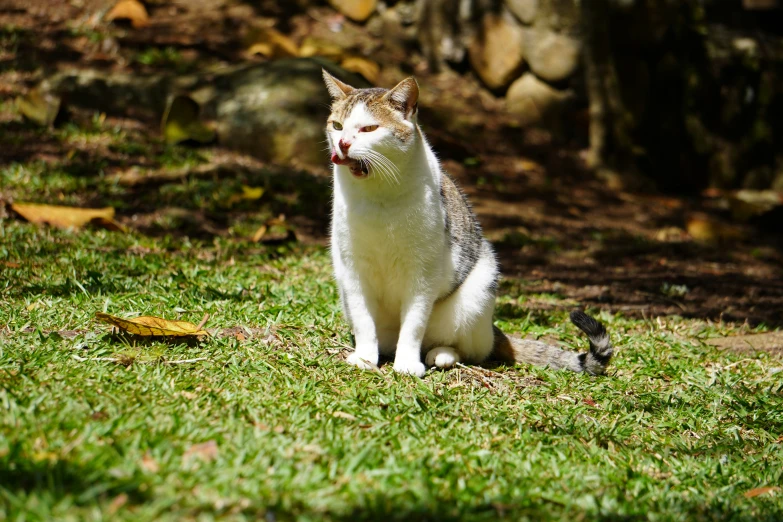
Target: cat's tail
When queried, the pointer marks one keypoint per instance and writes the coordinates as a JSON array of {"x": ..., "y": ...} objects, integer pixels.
[{"x": 538, "y": 353}]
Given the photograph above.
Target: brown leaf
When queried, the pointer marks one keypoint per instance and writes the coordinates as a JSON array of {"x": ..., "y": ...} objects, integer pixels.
[
  {"x": 270, "y": 43},
  {"x": 260, "y": 233},
  {"x": 590, "y": 402},
  {"x": 708, "y": 230},
  {"x": 358, "y": 64},
  {"x": 119, "y": 501},
  {"x": 66, "y": 217},
  {"x": 343, "y": 415},
  {"x": 760, "y": 491},
  {"x": 39, "y": 107},
  {"x": 206, "y": 451},
  {"x": 314, "y": 47},
  {"x": 149, "y": 463},
  {"x": 130, "y": 10},
  {"x": 152, "y": 326}
]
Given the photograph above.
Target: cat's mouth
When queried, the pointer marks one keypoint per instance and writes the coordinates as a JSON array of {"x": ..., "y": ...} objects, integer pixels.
[{"x": 358, "y": 168}]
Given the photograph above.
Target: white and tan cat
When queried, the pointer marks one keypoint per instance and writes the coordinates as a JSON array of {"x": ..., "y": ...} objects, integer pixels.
[{"x": 415, "y": 274}]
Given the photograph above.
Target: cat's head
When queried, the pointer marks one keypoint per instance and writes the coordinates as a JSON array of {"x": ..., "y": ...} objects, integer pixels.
[{"x": 371, "y": 130}]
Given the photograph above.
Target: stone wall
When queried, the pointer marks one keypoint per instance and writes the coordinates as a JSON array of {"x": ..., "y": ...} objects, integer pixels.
[{"x": 699, "y": 82}]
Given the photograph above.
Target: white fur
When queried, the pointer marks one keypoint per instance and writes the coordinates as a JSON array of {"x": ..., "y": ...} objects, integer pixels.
[{"x": 392, "y": 258}]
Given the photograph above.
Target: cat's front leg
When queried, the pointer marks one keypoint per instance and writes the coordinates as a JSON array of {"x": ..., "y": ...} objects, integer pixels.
[
  {"x": 415, "y": 316},
  {"x": 365, "y": 354}
]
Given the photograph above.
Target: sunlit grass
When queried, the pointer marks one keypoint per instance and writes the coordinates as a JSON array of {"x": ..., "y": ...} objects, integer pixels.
[{"x": 272, "y": 424}]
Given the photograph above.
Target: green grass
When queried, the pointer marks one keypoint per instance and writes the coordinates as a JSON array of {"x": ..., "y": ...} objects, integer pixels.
[{"x": 95, "y": 426}]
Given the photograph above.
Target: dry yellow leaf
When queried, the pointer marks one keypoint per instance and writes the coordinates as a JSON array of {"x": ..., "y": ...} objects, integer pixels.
[
  {"x": 248, "y": 193},
  {"x": 260, "y": 233},
  {"x": 130, "y": 10},
  {"x": 313, "y": 47},
  {"x": 66, "y": 217},
  {"x": 39, "y": 106},
  {"x": 359, "y": 64},
  {"x": 270, "y": 43},
  {"x": 152, "y": 326},
  {"x": 707, "y": 230},
  {"x": 252, "y": 192},
  {"x": 760, "y": 491},
  {"x": 356, "y": 10}
]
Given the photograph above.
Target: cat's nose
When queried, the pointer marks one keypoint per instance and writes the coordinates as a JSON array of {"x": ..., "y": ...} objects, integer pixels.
[{"x": 344, "y": 146}]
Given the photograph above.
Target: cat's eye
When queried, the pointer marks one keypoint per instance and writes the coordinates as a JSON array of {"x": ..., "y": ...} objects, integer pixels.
[
  {"x": 368, "y": 128},
  {"x": 337, "y": 125}
]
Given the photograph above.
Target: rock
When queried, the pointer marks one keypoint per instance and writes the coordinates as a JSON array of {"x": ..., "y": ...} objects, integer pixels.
[
  {"x": 562, "y": 16},
  {"x": 275, "y": 111},
  {"x": 356, "y": 10},
  {"x": 552, "y": 56},
  {"x": 397, "y": 27},
  {"x": 497, "y": 53},
  {"x": 534, "y": 100},
  {"x": 525, "y": 10}
]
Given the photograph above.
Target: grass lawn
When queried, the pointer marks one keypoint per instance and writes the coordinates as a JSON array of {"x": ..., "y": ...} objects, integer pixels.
[{"x": 272, "y": 425}]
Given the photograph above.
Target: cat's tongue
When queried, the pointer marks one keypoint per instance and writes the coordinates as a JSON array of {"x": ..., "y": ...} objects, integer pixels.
[
  {"x": 339, "y": 161},
  {"x": 355, "y": 166}
]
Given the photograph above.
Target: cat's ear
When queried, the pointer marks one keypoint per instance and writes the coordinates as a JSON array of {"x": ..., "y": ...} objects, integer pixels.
[
  {"x": 337, "y": 89},
  {"x": 405, "y": 97}
]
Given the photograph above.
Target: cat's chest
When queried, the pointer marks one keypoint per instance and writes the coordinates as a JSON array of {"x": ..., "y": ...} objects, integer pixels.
[{"x": 386, "y": 246}]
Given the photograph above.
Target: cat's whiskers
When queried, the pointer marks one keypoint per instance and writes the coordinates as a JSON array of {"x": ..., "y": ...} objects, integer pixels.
[
  {"x": 384, "y": 165},
  {"x": 365, "y": 156}
]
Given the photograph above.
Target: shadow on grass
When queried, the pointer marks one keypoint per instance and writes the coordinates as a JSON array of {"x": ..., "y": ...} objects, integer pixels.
[
  {"x": 530, "y": 509},
  {"x": 60, "y": 478}
]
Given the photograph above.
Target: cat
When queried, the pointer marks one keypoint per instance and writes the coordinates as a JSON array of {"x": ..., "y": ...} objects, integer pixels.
[{"x": 413, "y": 270}]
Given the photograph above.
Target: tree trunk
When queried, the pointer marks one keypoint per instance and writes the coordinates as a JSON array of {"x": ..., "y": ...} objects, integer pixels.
[{"x": 611, "y": 145}]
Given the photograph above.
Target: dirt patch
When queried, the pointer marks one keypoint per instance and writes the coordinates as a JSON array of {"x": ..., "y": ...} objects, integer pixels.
[{"x": 771, "y": 343}]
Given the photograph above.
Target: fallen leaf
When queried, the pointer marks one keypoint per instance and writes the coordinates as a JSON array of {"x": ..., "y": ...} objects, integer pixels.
[
  {"x": 260, "y": 233},
  {"x": 119, "y": 501},
  {"x": 270, "y": 43},
  {"x": 130, "y": 10},
  {"x": 314, "y": 47},
  {"x": 206, "y": 451},
  {"x": 275, "y": 230},
  {"x": 10, "y": 264},
  {"x": 152, "y": 326},
  {"x": 248, "y": 193},
  {"x": 149, "y": 463},
  {"x": 589, "y": 402},
  {"x": 181, "y": 122},
  {"x": 39, "y": 107},
  {"x": 343, "y": 415},
  {"x": 66, "y": 217},
  {"x": 760, "y": 491},
  {"x": 359, "y": 64},
  {"x": 707, "y": 230},
  {"x": 252, "y": 192}
]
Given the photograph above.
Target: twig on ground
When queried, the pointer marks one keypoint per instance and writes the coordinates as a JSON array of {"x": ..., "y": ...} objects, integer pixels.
[{"x": 203, "y": 321}]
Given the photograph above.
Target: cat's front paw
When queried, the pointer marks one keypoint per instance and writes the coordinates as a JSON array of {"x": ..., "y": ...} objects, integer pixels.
[
  {"x": 410, "y": 367},
  {"x": 363, "y": 361}
]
